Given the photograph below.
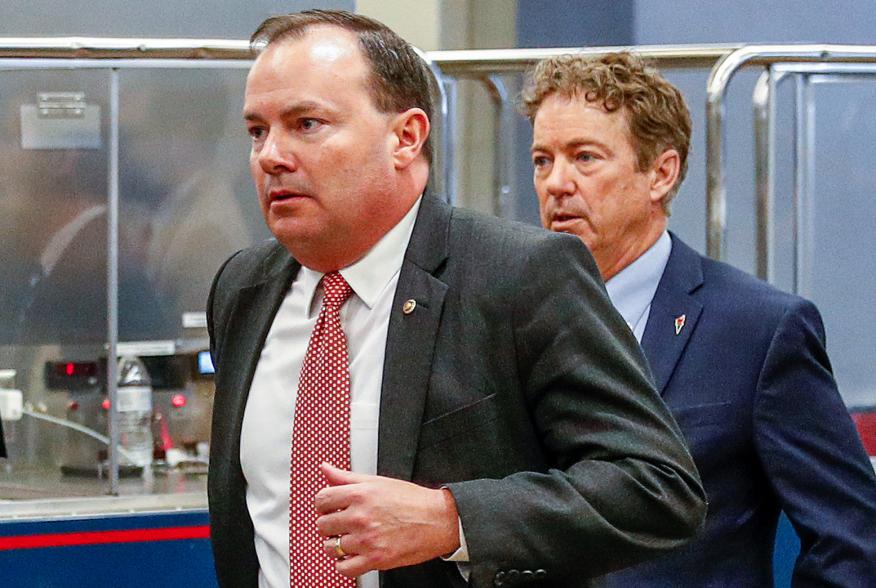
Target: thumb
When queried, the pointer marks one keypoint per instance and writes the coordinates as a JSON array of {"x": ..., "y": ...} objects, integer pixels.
[{"x": 338, "y": 477}]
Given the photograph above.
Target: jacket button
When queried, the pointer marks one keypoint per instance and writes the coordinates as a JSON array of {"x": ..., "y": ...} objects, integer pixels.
[
  {"x": 526, "y": 576},
  {"x": 499, "y": 579},
  {"x": 540, "y": 574},
  {"x": 512, "y": 576}
]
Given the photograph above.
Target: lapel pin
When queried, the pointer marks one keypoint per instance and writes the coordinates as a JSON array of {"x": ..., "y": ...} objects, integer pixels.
[
  {"x": 409, "y": 306},
  {"x": 679, "y": 323}
]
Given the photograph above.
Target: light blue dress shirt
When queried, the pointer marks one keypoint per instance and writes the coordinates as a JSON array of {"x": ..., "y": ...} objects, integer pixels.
[{"x": 632, "y": 289}]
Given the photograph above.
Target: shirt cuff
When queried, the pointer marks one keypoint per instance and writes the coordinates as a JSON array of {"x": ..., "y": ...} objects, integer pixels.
[{"x": 461, "y": 554}]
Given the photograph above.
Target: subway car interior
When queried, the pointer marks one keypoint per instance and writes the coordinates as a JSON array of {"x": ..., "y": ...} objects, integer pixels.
[{"x": 124, "y": 185}]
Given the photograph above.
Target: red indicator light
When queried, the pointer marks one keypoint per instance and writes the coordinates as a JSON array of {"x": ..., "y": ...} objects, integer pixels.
[
  {"x": 178, "y": 400},
  {"x": 74, "y": 369},
  {"x": 73, "y": 406},
  {"x": 105, "y": 404}
]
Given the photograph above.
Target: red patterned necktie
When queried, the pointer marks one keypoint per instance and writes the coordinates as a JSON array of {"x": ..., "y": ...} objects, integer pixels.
[{"x": 321, "y": 433}]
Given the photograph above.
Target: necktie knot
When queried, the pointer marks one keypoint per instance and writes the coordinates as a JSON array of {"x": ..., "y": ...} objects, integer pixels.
[{"x": 336, "y": 290}]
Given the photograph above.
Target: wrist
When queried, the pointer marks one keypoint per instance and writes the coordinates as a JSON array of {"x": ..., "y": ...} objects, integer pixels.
[{"x": 449, "y": 523}]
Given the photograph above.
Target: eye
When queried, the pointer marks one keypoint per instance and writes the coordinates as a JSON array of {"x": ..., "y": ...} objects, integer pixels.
[
  {"x": 309, "y": 124},
  {"x": 585, "y": 157},
  {"x": 540, "y": 161},
  {"x": 257, "y": 133}
]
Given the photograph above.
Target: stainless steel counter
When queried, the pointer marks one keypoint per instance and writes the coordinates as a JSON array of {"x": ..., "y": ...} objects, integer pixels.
[{"x": 28, "y": 491}]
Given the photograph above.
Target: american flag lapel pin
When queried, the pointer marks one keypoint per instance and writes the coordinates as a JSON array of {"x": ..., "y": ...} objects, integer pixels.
[{"x": 679, "y": 323}]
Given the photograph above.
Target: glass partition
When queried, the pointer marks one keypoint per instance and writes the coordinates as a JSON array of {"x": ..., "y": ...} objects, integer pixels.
[
  {"x": 53, "y": 316},
  {"x": 185, "y": 203}
]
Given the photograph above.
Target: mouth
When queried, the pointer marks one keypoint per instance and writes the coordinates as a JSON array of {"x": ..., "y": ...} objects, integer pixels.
[
  {"x": 563, "y": 222},
  {"x": 279, "y": 195}
]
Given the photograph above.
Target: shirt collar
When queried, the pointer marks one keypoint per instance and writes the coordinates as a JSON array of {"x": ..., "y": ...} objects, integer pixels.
[
  {"x": 632, "y": 289},
  {"x": 373, "y": 272}
]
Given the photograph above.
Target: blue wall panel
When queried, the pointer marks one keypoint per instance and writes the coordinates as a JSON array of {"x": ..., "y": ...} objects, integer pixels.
[{"x": 146, "y": 564}]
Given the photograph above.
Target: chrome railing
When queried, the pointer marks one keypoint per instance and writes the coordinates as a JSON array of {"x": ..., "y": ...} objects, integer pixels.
[
  {"x": 487, "y": 66},
  {"x": 778, "y": 61}
]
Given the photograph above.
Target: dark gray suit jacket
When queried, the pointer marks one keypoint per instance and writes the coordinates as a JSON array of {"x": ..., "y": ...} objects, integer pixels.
[{"x": 514, "y": 383}]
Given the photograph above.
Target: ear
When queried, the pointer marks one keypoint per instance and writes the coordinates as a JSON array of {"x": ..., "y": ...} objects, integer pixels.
[
  {"x": 409, "y": 132},
  {"x": 664, "y": 174}
]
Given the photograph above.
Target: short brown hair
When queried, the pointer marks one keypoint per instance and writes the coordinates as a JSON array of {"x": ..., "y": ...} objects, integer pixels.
[
  {"x": 400, "y": 77},
  {"x": 657, "y": 115}
]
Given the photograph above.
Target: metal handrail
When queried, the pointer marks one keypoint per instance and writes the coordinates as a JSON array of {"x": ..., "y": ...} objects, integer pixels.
[
  {"x": 122, "y": 48},
  {"x": 722, "y": 73},
  {"x": 457, "y": 62},
  {"x": 479, "y": 62}
]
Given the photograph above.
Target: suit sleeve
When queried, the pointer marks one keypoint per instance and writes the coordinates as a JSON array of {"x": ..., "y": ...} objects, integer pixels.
[
  {"x": 813, "y": 456},
  {"x": 621, "y": 485}
]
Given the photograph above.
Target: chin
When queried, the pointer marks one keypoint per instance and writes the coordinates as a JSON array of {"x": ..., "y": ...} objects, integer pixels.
[{"x": 290, "y": 233}]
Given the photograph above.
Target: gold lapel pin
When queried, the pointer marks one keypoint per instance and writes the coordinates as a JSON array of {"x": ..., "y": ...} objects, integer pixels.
[
  {"x": 679, "y": 323},
  {"x": 409, "y": 306}
]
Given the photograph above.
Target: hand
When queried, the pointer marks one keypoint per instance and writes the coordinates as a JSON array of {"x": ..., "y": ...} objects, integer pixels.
[{"x": 384, "y": 523}]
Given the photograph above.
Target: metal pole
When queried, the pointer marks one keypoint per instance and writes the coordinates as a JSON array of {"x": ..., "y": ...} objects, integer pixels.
[
  {"x": 805, "y": 227},
  {"x": 476, "y": 63},
  {"x": 112, "y": 280},
  {"x": 804, "y": 146},
  {"x": 117, "y": 48},
  {"x": 441, "y": 169},
  {"x": 451, "y": 101},
  {"x": 502, "y": 151},
  {"x": 716, "y": 207},
  {"x": 763, "y": 103}
]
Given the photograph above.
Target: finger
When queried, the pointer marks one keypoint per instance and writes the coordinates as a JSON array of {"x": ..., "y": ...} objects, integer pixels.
[
  {"x": 338, "y": 477},
  {"x": 353, "y": 566},
  {"x": 335, "y": 523},
  {"x": 332, "y": 549},
  {"x": 333, "y": 499}
]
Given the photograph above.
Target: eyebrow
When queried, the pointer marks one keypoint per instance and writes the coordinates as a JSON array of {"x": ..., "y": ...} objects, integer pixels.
[
  {"x": 290, "y": 111},
  {"x": 572, "y": 143}
]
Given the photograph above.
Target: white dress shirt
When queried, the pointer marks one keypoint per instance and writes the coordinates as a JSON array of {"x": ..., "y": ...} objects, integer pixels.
[
  {"x": 266, "y": 437},
  {"x": 632, "y": 289}
]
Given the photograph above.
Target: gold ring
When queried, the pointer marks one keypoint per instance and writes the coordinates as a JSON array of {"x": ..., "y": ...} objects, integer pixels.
[{"x": 338, "y": 549}]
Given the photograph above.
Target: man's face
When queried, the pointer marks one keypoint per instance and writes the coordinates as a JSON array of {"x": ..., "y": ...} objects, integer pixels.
[
  {"x": 321, "y": 151},
  {"x": 588, "y": 182}
]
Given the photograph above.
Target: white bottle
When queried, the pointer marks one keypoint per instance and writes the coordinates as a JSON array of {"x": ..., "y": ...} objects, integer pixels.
[{"x": 134, "y": 407}]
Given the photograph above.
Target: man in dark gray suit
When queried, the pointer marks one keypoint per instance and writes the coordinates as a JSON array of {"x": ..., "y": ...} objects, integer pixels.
[{"x": 503, "y": 425}]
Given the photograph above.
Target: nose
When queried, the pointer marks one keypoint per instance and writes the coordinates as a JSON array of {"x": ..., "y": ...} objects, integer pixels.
[
  {"x": 276, "y": 155},
  {"x": 559, "y": 181}
]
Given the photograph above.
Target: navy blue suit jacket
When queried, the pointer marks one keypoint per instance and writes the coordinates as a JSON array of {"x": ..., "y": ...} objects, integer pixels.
[{"x": 749, "y": 382}]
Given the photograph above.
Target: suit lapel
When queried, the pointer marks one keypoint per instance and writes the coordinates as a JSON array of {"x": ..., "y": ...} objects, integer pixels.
[
  {"x": 674, "y": 312},
  {"x": 251, "y": 319},
  {"x": 410, "y": 342}
]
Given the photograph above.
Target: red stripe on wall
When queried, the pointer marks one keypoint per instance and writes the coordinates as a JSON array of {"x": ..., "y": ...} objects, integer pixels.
[{"x": 99, "y": 537}]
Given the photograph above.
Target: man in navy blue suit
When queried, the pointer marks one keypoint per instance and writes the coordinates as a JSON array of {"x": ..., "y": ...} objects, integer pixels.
[{"x": 742, "y": 365}]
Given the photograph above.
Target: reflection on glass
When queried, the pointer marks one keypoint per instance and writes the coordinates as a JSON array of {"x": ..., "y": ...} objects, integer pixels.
[{"x": 185, "y": 204}]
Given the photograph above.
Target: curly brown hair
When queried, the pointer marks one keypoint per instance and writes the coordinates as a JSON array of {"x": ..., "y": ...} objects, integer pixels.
[{"x": 656, "y": 113}]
